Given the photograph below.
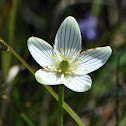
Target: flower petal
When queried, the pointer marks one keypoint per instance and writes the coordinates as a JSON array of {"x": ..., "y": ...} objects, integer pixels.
[
  {"x": 48, "y": 78},
  {"x": 40, "y": 50},
  {"x": 93, "y": 59},
  {"x": 68, "y": 38},
  {"x": 78, "y": 83}
]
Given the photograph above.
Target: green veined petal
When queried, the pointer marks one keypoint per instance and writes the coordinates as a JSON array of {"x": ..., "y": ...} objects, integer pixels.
[
  {"x": 78, "y": 83},
  {"x": 93, "y": 59},
  {"x": 68, "y": 38},
  {"x": 40, "y": 50},
  {"x": 48, "y": 78}
]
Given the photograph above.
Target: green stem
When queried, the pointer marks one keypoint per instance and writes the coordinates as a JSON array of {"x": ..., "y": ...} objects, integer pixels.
[
  {"x": 52, "y": 92},
  {"x": 60, "y": 105}
]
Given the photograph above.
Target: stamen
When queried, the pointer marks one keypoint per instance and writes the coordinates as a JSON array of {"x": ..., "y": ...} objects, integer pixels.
[
  {"x": 74, "y": 60},
  {"x": 56, "y": 57},
  {"x": 60, "y": 70},
  {"x": 54, "y": 62},
  {"x": 66, "y": 52},
  {"x": 66, "y": 72},
  {"x": 74, "y": 63},
  {"x": 52, "y": 58},
  {"x": 62, "y": 52},
  {"x": 70, "y": 54}
]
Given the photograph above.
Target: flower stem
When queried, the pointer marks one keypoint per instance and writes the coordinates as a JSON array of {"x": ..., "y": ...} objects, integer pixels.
[
  {"x": 60, "y": 105},
  {"x": 52, "y": 92}
]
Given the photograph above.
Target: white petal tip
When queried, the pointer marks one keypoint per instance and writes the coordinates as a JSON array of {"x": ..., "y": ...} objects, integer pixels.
[
  {"x": 108, "y": 50},
  {"x": 47, "y": 78},
  {"x": 31, "y": 38},
  {"x": 70, "y": 18},
  {"x": 86, "y": 88},
  {"x": 78, "y": 83}
]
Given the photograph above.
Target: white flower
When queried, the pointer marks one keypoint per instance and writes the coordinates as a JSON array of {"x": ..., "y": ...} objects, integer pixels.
[{"x": 65, "y": 63}]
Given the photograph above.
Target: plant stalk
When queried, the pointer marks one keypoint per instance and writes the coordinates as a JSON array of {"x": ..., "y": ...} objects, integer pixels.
[{"x": 60, "y": 105}]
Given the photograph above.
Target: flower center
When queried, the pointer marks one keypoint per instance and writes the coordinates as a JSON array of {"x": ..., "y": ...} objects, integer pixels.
[{"x": 64, "y": 65}]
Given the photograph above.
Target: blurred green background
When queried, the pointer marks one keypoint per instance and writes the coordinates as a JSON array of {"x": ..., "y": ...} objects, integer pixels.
[{"x": 24, "y": 102}]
